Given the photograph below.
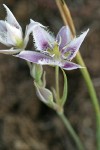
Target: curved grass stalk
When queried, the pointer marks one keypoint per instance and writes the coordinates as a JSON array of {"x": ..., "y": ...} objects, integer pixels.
[{"x": 66, "y": 16}]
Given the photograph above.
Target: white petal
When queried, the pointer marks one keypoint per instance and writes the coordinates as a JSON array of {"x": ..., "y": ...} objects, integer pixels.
[
  {"x": 28, "y": 31},
  {"x": 3, "y": 26},
  {"x": 11, "y": 19},
  {"x": 37, "y": 23},
  {"x": 3, "y": 33},
  {"x": 42, "y": 38},
  {"x": 30, "y": 27},
  {"x": 13, "y": 34}
]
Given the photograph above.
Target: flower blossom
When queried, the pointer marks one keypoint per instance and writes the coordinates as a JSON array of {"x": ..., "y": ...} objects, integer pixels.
[
  {"x": 11, "y": 34},
  {"x": 57, "y": 51}
]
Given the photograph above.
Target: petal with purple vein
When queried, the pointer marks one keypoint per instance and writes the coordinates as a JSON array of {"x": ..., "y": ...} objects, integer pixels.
[
  {"x": 70, "y": 51},
  {"x": 42, "y": 38},
  {"x": 70, "y": 65},
  {"x": 63, "y": 37},
  {"x": 37, "y": 58}
]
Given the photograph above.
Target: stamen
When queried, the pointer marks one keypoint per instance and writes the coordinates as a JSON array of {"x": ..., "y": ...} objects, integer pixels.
[{"x": 60, "y": 40}]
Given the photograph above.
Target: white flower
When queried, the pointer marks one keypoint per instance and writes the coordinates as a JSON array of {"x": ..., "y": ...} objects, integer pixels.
[{"x": 11, "y": 34}]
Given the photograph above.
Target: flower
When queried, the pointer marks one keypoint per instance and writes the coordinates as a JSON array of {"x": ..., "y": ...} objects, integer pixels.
[
  {"x": 11, "y": 34},
  {"x": 57, "y": 51}
]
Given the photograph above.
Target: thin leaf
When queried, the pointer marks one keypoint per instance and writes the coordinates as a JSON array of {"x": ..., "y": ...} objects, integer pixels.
[{"x": 65, "y": 89}]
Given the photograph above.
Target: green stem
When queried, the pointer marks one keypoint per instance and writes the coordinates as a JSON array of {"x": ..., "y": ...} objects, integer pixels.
[
  {"x": 93, "y": 96},
  {"x": 57, "y": 83},
  {"x": 71, "y": 131}
]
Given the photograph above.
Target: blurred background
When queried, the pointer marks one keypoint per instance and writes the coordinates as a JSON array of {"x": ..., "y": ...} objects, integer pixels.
[{"x": 25, "y": 122}]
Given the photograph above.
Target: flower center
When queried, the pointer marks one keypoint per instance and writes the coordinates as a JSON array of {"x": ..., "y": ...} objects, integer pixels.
[
  {"x": 55, "y": 52},
  {"x": 19, "y": 43}
]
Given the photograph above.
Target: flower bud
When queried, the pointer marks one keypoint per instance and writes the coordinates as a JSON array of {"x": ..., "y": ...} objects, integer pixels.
[
  {"x": 36, "y": 72},
  {"x": 44, "y": 95}
]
